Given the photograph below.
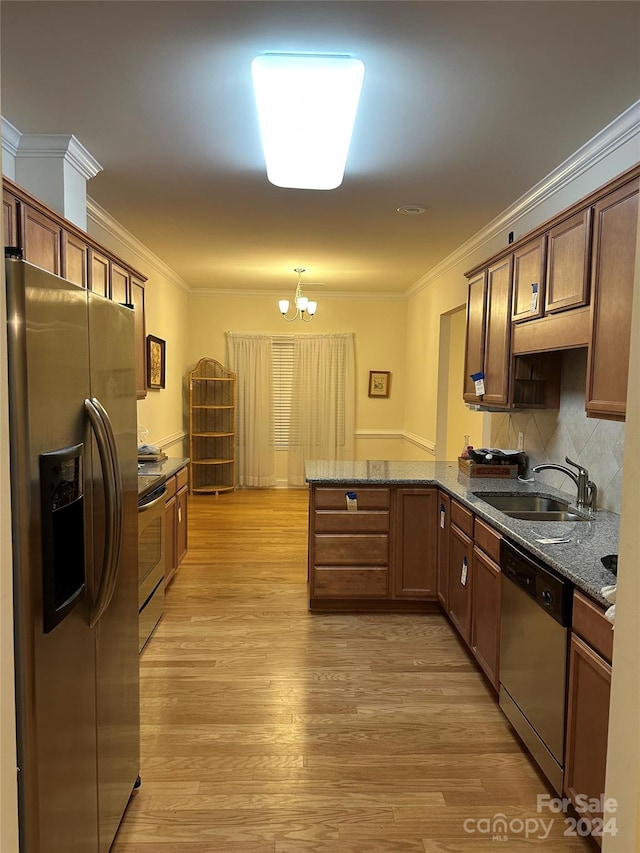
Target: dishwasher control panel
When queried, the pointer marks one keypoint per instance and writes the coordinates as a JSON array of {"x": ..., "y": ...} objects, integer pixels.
[{"x": 552, "y": 592}]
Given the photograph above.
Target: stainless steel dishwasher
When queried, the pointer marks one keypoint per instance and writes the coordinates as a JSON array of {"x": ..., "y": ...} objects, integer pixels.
[{"x": 536, "y": 612}]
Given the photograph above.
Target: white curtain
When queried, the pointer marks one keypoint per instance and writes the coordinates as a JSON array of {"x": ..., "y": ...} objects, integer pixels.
[
  {"x": 323, "y": 401},
  {"x": 249, "y": 356}
]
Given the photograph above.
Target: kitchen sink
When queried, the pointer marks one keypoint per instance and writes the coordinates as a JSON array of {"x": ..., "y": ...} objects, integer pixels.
[{"x": 532, "y": 507}]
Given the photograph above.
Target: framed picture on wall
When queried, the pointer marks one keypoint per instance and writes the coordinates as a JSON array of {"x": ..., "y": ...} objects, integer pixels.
[
  {"x": 156, "y": 362},
  {"x": 379, "y": 383}
]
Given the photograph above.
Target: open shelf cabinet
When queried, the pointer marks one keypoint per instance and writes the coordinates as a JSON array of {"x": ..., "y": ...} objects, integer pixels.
[{"x": 212, "y": 428}]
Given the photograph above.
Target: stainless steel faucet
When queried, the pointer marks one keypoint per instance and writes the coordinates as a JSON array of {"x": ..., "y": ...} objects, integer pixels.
[{"x": 587, "y": 490}]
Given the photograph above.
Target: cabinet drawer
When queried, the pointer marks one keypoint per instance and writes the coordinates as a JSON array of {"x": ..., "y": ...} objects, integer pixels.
[
  {"x": 170, "y": 485},
  {"x": 485, "y": 537},
  {"x": 350, "y": 583},
  {"x": 589, "y": 622},
  {"x": 364, "y": 521},
  {"x": 351, "y": 550},
  {"x": 462, "y": 518},
  {"x": 367, "y": 498},
  {"x": 182, "y": 477}
]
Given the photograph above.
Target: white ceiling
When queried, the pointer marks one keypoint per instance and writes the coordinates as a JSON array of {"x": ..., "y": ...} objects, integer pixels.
[{"x": 465, "y": 106}]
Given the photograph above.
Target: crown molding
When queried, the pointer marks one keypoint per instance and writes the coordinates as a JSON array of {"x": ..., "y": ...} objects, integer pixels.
[
  {"x": 63, "y": 146},
  {"x": 99, "y": 217},
  {"x": 620, "y": 131},
  {"x": 10, "y": 137}
]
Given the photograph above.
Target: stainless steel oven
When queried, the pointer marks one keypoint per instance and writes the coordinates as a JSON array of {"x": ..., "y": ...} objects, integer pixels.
[
  {"x": 151, "y": 545},
  {"x": 536, "y": 610}
]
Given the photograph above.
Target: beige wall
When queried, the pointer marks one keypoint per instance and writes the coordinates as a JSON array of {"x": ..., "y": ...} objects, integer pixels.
[
  {"x": 167, "y": 317},
  {"x": 379, "y": 328}
]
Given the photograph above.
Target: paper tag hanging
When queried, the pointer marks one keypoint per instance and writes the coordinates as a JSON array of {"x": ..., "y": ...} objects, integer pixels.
[
  {"x": 478, "y": 381},
  {"x": 534, "y": 296},
  {"x": 352, "y": 501},
  {"x": 442, "y": 516},
  {"x": 463, "y": 573}
]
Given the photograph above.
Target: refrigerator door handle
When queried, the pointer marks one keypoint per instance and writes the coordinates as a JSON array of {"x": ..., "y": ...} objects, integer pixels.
[{"x": 105, "y": 587}]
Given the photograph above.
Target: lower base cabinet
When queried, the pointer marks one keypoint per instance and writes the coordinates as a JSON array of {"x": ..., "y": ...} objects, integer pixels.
[
  {"x": 588, "y": 707},
  {"x": 460, "y": 551},
  {"x": 485, "y": 614},
  {"x": 176, "y": 523},
  {"x": 372, "y": 544}
]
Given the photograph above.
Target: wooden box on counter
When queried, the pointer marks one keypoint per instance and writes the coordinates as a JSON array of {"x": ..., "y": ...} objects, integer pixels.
[{"x": 477, "y": 469}]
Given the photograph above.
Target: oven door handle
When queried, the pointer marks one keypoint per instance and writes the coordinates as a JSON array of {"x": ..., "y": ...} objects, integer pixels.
[
  {"x": 144, "y": 507},
  {"x": 107, "y": 451}
]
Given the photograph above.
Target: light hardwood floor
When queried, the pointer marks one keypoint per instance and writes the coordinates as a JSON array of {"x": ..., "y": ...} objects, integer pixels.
[{"x": 266, "y": 729}]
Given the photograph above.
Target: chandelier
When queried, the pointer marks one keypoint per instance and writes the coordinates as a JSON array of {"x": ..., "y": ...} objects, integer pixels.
[{"x": 305, "y": 308}]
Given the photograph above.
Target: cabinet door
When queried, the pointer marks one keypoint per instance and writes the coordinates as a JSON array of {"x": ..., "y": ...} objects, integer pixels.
[
  {"x": 119, "y": 284},
  {"x": 98, "y": 273},
  {"x": 137, "y": 300},
  {"x": 181, "y": 525},
  {"x": 528, "y": 281},
  {"x": 42, "y": 239},
  {"x": 614, "y": 252},
  {"x": 587, "y": 723},
  {"x": 497, "y": 344},
  {"x": 170, "y": 562},
  {"x": 568, "y": 263},
  {"x": 474, "y": 345},
  {"x": 485, "y": 614},
  {"x": 460, "y": 551},
  {"x": 74, "y": 259},
  {"x": 444, "y": 526},
  {"x": 10, "y": 219},
  {"x": 414, "y": 572}
]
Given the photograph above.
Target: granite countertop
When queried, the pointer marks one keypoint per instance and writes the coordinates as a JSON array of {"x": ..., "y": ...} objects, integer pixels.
[
  {"x": 577, "y": 560},
  {"x": 153, "y": 474}
]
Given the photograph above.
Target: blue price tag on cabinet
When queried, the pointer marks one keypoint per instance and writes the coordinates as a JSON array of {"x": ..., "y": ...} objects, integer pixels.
[{"x": 352, "y": 501}]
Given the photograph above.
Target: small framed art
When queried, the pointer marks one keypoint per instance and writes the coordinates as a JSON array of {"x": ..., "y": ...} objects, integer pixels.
[
  {"x": 379, "y": 383},
  {"x": 156, "y": 362}
]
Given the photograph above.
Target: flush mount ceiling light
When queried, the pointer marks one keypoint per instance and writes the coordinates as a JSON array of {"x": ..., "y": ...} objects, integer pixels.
[
  {"x": 306, "y": 108},
  {"x": 305, "y": 308}
]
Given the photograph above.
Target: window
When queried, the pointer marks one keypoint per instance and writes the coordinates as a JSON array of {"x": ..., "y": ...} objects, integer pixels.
[{"x": 282, "y": 353}]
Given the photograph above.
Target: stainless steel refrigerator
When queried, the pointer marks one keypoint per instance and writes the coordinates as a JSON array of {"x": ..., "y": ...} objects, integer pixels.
[{"x": 72, "y": 408}]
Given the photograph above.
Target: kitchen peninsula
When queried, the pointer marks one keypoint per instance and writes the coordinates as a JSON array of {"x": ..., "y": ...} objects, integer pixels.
[{"x": 382, "y": 488}]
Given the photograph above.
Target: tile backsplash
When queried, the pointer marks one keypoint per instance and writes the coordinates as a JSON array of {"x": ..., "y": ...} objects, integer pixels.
[{"x": 552, "y": 434}]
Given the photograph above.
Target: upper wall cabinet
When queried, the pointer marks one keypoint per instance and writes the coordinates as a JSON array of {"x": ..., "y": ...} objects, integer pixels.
[
  {"x": 51, "y": 242},
  {"x": 565, "y": 285},
  {"x": 614, "y": 252},
  {"x": 568, "y": 266},
  {"x": 474, "y": 350},
  {"x": 528, "y": 281}
]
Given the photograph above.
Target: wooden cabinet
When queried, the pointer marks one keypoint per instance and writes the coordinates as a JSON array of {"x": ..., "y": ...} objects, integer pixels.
[
  {"x": 588, "y": 703},
  {"x": 528, "y": 281},
  {"x": 55, "y": 244},
  {"x": 567, "y": 284},
  {"x": 444, "y": 526},
  {"x": 212, "y": 396},
  {"x": 613, "y": 269},
  {"x": 489, "y": 334},
  {"x": 486, "y": 601},
  {"x": 120, "y": 289},
  {"x": 474, "y": 345},
  {"x": 497, "y": 343},
  {"x": 98, "y": 272},
  {"x": 137, "y": 300},
  {"x": 349, "y": 543},
  {"x": 74, "y": 259},
  {"x": 42, "y": 240},
  {"x": 10, "y": 214},
  {"x": 414, "y": 567},
  {"x": 176, "y": 523},
  {"x": 460, "y": 553}
]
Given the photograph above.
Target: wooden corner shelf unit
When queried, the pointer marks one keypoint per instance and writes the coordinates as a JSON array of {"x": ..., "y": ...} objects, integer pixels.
[{"x": 212, "y": 421}]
